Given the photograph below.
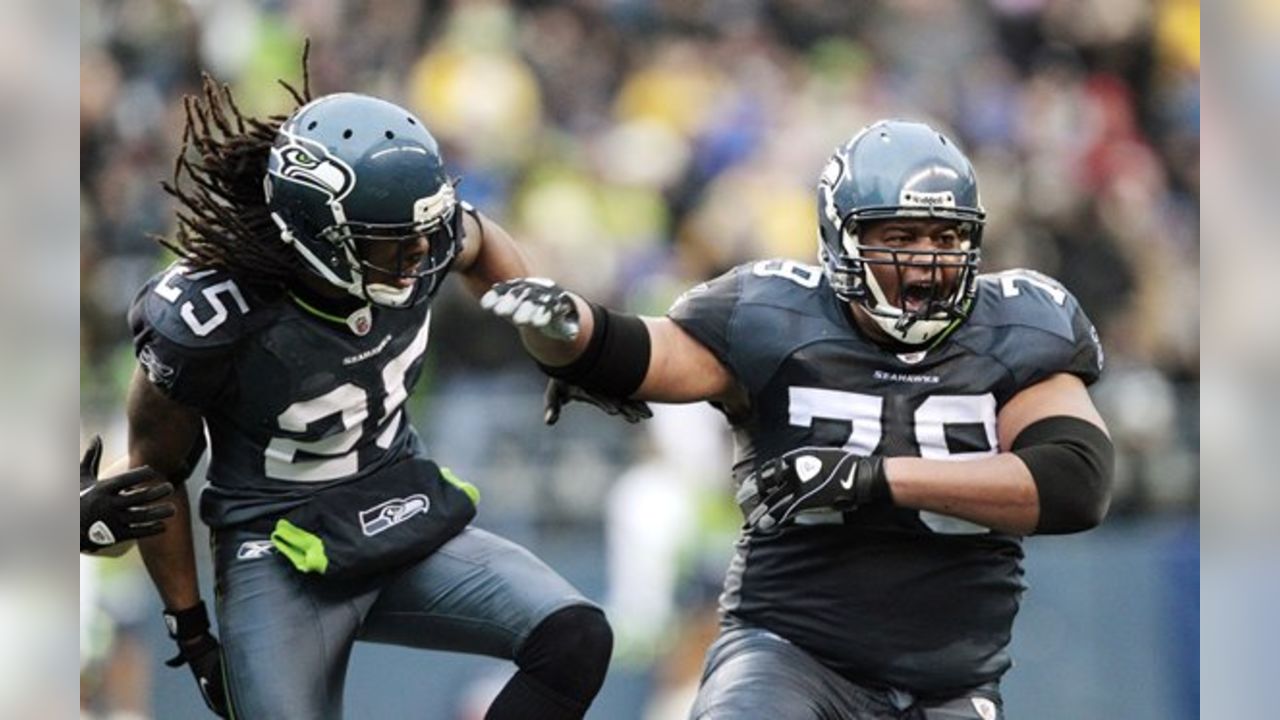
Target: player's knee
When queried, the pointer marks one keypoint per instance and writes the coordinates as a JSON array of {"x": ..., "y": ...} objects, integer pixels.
[{"x": 569, "y": 651}]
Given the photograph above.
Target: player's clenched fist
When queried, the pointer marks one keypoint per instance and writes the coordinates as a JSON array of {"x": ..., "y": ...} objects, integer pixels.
[
  {"x": 536, "y": 303},
  {"x": 811, "y": 478}
]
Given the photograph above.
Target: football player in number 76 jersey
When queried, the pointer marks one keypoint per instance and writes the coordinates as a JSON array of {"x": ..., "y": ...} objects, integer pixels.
[{"x": 901, "y": 423}]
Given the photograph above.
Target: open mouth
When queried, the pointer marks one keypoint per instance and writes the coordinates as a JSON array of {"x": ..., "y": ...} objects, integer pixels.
[{"x": 917, "y": 296}]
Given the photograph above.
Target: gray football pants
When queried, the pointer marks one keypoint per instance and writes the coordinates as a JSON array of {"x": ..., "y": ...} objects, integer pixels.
[
  {"x": 752, "y": 673},
  {"x": 287, "y": 637}
]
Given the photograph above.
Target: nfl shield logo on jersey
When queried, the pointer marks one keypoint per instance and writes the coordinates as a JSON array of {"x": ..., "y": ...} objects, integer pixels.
[
  {"x": 361, "y": 321},
  {"x": 986, "y": 708}
]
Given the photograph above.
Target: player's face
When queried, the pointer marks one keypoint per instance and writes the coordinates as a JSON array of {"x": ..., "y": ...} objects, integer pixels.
[
  {"x": 914, "y": 261},
  {"x": 394, "y": 262}
]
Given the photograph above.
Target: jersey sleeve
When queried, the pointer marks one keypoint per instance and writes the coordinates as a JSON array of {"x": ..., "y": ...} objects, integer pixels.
[
  {"x": 1044, "y": 329},
  {"x": 185, "y": 326},
  {"x": 1087, "y": 358},
  {"x": 706, "y": 312}
]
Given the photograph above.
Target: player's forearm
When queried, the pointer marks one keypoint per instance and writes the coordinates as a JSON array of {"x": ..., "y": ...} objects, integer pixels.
[
  {"x": 663, "y": 362},
  {"x": 161, "y": 435},
  {"x": 558, "y": 353},
  {"x": 997, "y": 492},
  {"x": 170, "y": 558}
]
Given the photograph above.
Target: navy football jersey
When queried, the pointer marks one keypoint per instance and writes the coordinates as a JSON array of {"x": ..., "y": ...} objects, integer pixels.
[
  {"x": 291, "y": 402},
  {"x": 913, "y": 599}
]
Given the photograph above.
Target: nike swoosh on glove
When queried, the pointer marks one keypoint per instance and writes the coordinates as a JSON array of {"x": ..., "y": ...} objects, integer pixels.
[{"x": 811, "y": 478}]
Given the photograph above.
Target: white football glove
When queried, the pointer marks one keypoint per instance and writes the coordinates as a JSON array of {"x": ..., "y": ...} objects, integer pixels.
[{"x": 536, "y": 303}]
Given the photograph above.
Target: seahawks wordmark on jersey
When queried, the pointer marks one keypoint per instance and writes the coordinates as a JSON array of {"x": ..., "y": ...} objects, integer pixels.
[
  {"x": 291, "y": 403},
  {"x": 888, "y": 595}
]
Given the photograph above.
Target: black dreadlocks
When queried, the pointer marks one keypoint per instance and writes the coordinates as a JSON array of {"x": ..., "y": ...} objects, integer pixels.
[{"x": 222, "y": 214}]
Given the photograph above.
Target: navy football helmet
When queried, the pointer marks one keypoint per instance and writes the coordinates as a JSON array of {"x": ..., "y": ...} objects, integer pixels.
[
  {"x": 899, "y": 169},
  {"x": 349, "y": 173}
]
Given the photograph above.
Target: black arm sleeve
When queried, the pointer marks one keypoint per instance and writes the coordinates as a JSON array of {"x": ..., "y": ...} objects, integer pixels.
[
  {"x": 1072, "y": 462},
  {"x": 616, "y": 358}
]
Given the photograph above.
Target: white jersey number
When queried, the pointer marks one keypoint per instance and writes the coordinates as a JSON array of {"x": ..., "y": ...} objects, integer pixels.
[
  {"x": 212, "y": 297},
  {"x": 806, "y": 276},
  {"x": 1009, "y": 280},
  {"x": 337, "y": 455},
  {"x": 864, "y": 413}
]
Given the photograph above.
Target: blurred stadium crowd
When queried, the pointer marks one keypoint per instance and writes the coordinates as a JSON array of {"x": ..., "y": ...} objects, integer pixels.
[{"x": 640, "y": 146}]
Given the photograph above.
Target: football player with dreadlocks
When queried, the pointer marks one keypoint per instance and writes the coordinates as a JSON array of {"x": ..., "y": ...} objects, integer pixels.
[
  {"x": 291, "y": 331},
  {"x": 901, "y": 423}
]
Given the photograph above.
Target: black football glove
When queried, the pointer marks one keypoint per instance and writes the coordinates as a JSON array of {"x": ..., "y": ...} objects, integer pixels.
[
  {"x": 121, "y": 507},
  {"x": 560, "y": 393},
  {"x": 536, "y": 303},
  {"x": 811, "y": 478},
  {"x": 198, "y": 648}
]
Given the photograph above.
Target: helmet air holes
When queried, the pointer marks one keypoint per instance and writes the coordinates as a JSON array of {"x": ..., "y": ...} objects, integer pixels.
[{"x": 312, "y": 173}]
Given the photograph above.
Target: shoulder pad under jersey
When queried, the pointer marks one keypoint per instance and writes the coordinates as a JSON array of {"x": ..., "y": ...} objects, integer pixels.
[
  {"x": 756, "y": 313},
  {"x": 1034, "y": 326},
  {"x": 185, "y": 323},
  {"x": 195, "y": 308}
]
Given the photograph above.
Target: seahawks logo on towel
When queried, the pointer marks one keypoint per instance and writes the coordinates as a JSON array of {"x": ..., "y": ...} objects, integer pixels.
[{"x": 386, "y": 515}]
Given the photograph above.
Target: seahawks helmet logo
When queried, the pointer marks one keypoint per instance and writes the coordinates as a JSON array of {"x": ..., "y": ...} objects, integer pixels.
[
  {"x": 308, "y": 163},
  {"x": 833, "y": 173},
  {"x": 831, "y": 177}
]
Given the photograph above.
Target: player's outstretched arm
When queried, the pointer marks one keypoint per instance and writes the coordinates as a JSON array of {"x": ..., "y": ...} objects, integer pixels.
[{"x": 609, "y": 353}]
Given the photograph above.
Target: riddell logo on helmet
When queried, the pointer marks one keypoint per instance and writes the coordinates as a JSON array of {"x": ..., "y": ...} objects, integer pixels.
[{"x": 928, "y": 199}]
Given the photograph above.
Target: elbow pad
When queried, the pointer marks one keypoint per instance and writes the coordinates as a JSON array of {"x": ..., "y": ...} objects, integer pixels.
[
  {"x": 1072, "y": 462},
  {"x": 615, "y": 360}
]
